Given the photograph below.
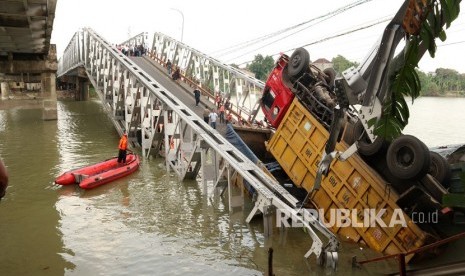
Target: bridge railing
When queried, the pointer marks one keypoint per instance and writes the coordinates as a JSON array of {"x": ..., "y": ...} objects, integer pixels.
[
  {"x": 140, "y": 39},
  {"x": 73, "y": 56},
  {"x": 211, "y": 75},
  {"x": 160, "y": 124}
]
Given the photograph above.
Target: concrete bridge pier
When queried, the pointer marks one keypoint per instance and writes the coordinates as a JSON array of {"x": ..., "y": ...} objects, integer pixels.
[
  {"x": 49, "y": 91},
  {"x": 82, "y": 89},
  {"x": 5, "y": 90}
]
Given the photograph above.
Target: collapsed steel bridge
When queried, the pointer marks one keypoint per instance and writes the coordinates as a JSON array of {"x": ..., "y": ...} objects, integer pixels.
[{"x": 160, "y": 124}]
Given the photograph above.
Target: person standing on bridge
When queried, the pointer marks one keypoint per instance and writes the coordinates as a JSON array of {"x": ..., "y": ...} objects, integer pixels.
[
  {"x": 213, "y": 116},
  {"x": 227, "y": 104},
  {"x": 168, "y": 65},
  {"x": 3, "y": 179},
  {"x": 221, "y": 114},
  {"x": 229, "y": 118},
  {"x": 123, "y": 146},
  {"x": 197, "y": 96},
  {"x": 176, "y": 74},
  {"x": 206, "y": 114}
]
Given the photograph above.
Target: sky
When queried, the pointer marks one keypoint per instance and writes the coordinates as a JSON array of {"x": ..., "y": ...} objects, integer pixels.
[{"x": 210, "y": 26}]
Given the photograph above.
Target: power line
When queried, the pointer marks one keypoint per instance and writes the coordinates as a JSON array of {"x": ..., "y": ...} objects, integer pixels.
[
  {"x": 324, "y": 17},
  {"x": 342, "y": 34},
  {"x": 452, "y": 43},
  {"x": 330, "y": 37}
]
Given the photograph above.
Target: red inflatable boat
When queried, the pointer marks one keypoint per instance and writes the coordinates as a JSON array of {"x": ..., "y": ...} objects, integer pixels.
[{"x": 100, "y": 173}]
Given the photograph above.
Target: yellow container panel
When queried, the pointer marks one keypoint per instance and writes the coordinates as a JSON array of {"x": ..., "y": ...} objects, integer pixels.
[
  {"x": 287, "y": 132},
  {"x": 309, "y": 153},
  {"x": 342, "y": 169},
  {"x": 357, "y": 182},
  {"x": 298, "y": 141},
  {"x": 288, "y": 156},
  {"x": 296, "y": 171},
  {"x": 332, "y": 183},
  {"x": 346, "y": 198},
  {"x": 323, "y": 199},
  {"x": 319, "y": 138},
  {"x": 350, "y": 185},
  {"x": 349, "y": 233},
  {"x": 377, "y": 236}
]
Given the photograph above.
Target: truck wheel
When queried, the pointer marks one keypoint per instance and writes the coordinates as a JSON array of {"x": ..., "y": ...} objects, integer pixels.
[
  {"x": 365, "y": 146},
  {"x": 408, "y": 158},
  {"x": 440, "y": 169},
  {"x": 286, "y": 79},
  {"x": 298, "y": 63}
]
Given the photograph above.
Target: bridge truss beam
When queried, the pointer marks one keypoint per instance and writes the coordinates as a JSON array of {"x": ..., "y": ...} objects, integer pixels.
[
  {"x": 208, "y": 72},
  {"x": 159, "y": 123}
]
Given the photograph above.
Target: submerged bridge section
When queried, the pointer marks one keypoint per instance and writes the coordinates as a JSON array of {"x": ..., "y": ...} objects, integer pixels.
[{"x": 160, "y": 124}]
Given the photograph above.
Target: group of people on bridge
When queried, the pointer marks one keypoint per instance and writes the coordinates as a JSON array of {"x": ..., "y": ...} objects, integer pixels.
[
  {"x": 176, "y": 74},
  {"x": 210, "y": 116},
  {"x": 132, "y": 50}
]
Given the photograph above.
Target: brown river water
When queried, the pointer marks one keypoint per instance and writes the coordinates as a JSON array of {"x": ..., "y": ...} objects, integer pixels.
[{"x": 148, "y": 223}]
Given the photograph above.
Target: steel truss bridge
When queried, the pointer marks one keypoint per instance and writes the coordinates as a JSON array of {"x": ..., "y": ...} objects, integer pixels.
[{"x": 158, "y": 122}]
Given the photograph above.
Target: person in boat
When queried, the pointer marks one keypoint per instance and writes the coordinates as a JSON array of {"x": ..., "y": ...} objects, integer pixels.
[
  {"x": 123, "y": 146},
  {"x": 3, "y": 179}
]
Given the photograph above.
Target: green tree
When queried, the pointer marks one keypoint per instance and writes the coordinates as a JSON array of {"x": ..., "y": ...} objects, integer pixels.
[
  {"x": 446, "y": 79},
  {"x": 462, "y": 84},
  {"x": 431, "y": 17},
  {"x": 426, "y": 84},
  {"x": 340, "y": 63},
  {"x": 261, "y": 66}
]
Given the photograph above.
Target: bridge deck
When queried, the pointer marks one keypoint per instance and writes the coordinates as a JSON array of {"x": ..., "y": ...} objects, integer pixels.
[{"x": 179, "y": 88}]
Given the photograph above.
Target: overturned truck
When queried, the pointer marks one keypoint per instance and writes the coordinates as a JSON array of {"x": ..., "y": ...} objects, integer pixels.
[{"x": 325, "y": 141}]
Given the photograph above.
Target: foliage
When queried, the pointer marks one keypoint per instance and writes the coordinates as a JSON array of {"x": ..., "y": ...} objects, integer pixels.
[
  {"x": 340, "y": 63},
  {"x": 261, "y": 66},
  {"x": 447, "y": 80},
  {"x": 442, "y": 82},
  {"x": 405, "y": 81}
]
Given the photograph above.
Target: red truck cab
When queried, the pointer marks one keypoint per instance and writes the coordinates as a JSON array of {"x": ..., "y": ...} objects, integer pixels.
[{"x": 277, "y": 97}]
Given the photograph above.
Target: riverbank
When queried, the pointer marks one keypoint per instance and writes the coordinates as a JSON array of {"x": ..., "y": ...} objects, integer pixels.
[{"x": 31, "y": 100}]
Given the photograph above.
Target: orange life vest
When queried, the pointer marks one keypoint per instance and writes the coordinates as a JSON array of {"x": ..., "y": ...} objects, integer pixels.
[{"x": 123, "y": 143}]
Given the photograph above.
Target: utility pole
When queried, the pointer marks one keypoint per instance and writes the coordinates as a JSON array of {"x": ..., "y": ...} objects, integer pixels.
[{"x": 182, "y": 28}]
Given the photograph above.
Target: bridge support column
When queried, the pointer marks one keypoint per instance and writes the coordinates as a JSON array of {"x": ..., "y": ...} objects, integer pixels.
[
  {"x": 49, "y": 111},
  {"x": 85, "y": 90},
  {"x": 5, "y": 90},
  {"x": 82, "y": 90}
]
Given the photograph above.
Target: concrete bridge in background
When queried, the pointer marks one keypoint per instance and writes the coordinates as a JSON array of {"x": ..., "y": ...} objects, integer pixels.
[{"x": 28, "y": 61}]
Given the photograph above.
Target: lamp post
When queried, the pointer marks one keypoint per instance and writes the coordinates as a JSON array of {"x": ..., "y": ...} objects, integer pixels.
[{"x": 182, "y": 29}]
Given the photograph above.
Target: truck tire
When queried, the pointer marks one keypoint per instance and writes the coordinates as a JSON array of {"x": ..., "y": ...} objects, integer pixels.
[
  {"x": 298, "y": 63},
  {"x": 286, "y": 79},
  {"x": 440, "y": 169},
  {"x": 365, "y": 146},
  {"x": 408, "y": 158}
]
